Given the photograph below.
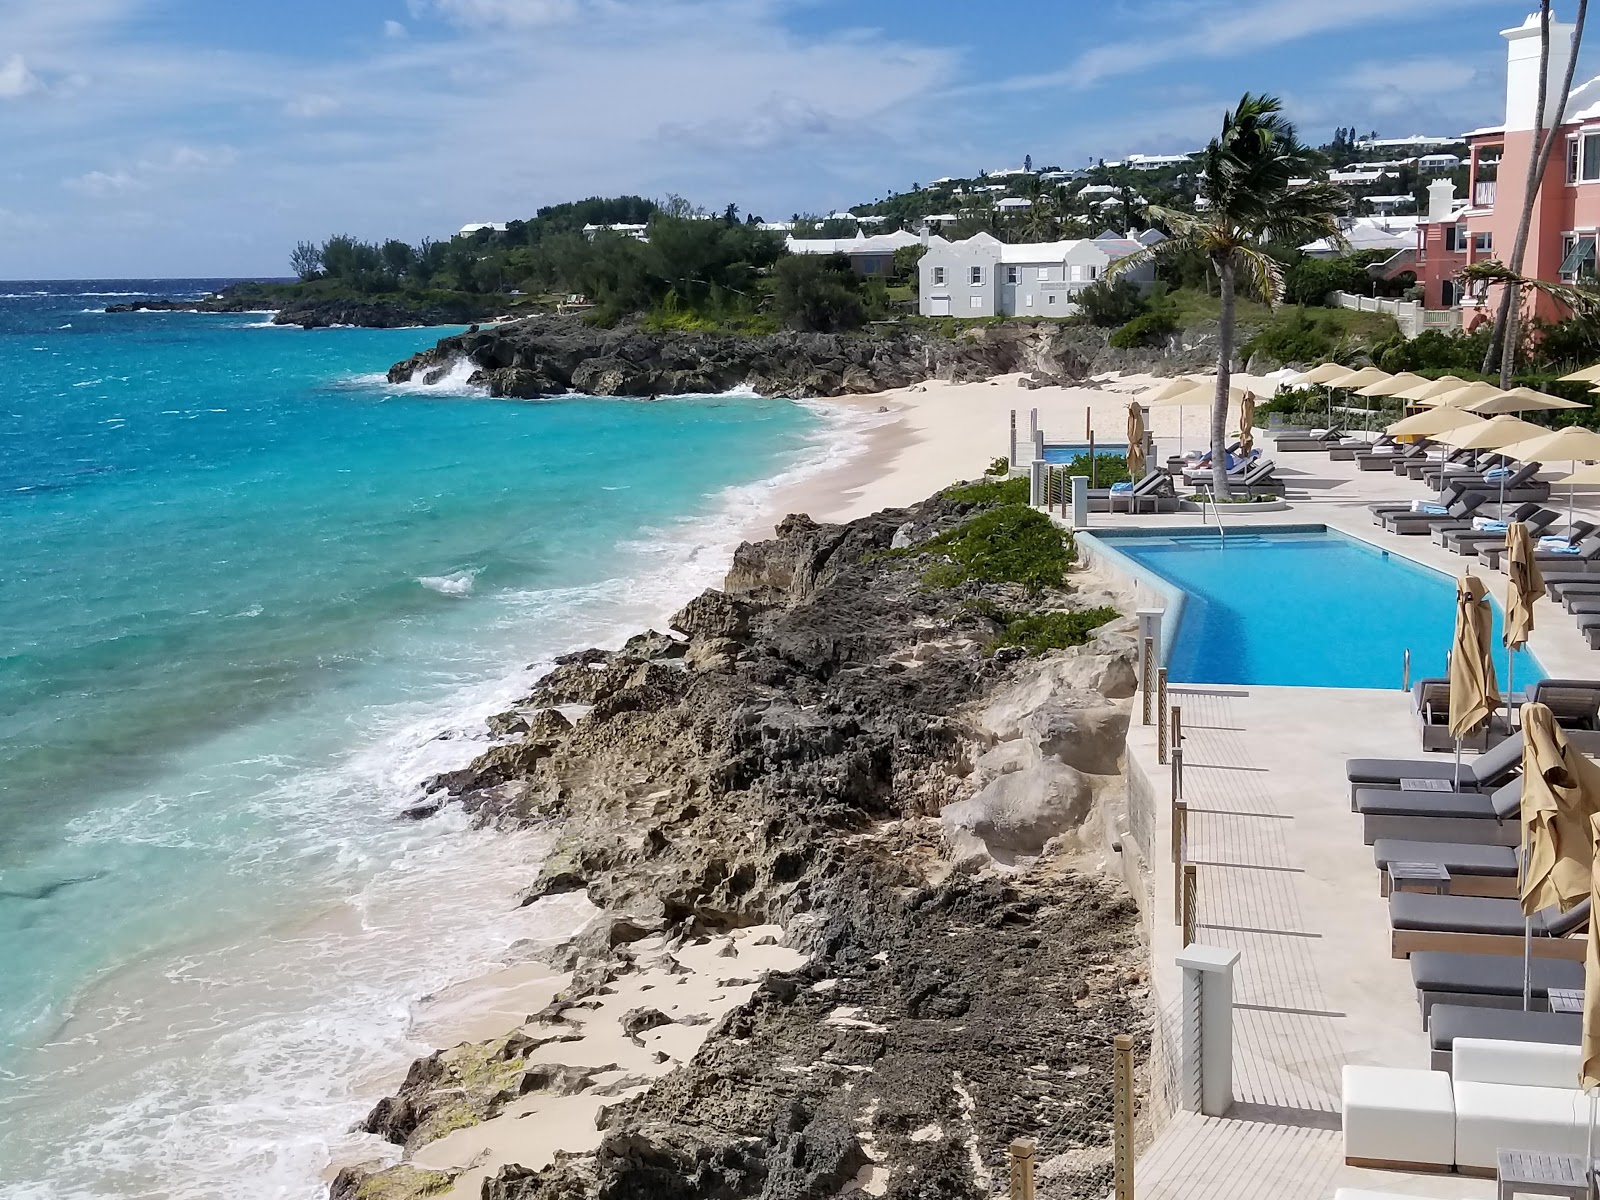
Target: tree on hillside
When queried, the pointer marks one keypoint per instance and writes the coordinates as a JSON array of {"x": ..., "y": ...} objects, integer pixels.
[
  {"x": 818, "y": 293},
  {"x": 1247, "y": 169},
  {"x": 306, "y": 260},
  {"x": 1503, "y": 341}
]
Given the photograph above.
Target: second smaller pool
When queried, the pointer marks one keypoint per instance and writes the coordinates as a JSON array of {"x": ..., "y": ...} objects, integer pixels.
[{"x": 1060, "y": 453}]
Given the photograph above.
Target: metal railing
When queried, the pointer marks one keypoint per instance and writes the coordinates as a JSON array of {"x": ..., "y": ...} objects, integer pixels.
[{"x": 1222, "y": 534}]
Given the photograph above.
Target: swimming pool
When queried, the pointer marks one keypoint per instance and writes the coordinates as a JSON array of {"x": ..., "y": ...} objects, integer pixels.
[
  {"x": 1303, "y": 607},
  {"x": 1064, "y": 452}
]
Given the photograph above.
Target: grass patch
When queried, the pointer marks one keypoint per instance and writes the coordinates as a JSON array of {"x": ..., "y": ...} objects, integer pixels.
[
  {"x": 1010, "y": 543},
  {"x": 989, "y": 492},
  {"x": 1038, "y": 633}
]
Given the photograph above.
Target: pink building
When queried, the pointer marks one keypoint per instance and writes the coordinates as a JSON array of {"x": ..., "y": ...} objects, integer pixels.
[{"x": 1566, "y": 215}]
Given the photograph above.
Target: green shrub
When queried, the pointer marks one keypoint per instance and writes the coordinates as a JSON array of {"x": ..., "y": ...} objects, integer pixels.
[
  {"x": 989, "y": 492},
  {"x": 1293, "y": 335},
  {"x": 1105, "y": 470},
  {"x": 1109, "y": 304},
  {"x": 1041, "y": 632},
  {"x": 1000, "y": 467},
  {"x": 1148, "y": 329},
  {"x": 1010, "y": 543}
]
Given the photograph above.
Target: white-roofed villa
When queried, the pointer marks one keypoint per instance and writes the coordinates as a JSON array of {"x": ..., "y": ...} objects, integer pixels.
[{"x": 985, "y": 277}]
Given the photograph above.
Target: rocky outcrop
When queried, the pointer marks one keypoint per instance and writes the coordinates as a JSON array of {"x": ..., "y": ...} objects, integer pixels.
[
  {"x": 312, "y": 312},
  {"x": 550, "y": 355},
  {"x": 787, "y": 758}
]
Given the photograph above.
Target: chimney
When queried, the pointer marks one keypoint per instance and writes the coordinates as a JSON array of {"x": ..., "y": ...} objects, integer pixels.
[
  {"x": 1522, "y": 72},
  {"x": 1441, "y": 200}
]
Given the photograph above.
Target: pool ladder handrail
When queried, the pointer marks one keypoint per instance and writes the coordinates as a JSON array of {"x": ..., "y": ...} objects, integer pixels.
[{"x": 1222, "y": 534}]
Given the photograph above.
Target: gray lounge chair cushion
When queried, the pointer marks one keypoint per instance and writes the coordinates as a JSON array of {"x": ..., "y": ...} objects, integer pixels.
[
  {"x": 1486, "y": 770},
  {"x": 1459, "y": 858},
  {"x": 1490, "y": 974},
  {"x": 1448, "y": 1022},
  {"x": 1424, "y": 912},
  {"x": 1504, "y": 803}
]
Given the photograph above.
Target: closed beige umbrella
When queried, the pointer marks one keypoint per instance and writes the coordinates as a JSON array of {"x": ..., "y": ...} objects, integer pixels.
[
  {"x": 1560, "y": 793},
  {"x": 1247, "y": 424},
  {"x": 1136, "y": 434},
  {"x": 1525, "y": 587},
  {"x": 1474, "y": 693},
  {"x": 1589, "y": 1074}
]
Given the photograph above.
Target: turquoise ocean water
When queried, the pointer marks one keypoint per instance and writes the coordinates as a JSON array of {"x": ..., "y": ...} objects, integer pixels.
[{"x": 249, "y": 596}]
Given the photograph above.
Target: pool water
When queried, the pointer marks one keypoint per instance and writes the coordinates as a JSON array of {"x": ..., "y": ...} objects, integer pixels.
[
  {"x": 1310, "y": 608},
  {"x": 1064, "y": 453}
]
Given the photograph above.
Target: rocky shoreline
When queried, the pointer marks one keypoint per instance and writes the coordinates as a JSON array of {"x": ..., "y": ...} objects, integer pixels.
[
  {"x": 842, "y": 750},
  {"x": 318, "y": 313}
]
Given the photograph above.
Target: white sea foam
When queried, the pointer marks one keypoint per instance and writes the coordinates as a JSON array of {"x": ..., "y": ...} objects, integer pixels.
[
  {"x": 460, "y": 583},
  {"x": 452, "y": 383}
]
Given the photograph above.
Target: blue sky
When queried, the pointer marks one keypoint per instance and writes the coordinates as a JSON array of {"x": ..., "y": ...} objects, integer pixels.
[{"x": 203, "y": 138}]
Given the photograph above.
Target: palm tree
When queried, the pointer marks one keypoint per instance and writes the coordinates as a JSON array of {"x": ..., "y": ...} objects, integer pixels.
[
  {"x": 1503, "y": 341},
  {"x": 1246, "y": 179}
]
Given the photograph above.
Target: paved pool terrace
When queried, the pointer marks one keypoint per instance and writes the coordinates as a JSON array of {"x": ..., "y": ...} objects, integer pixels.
[{"x": 1285, "y": 878}]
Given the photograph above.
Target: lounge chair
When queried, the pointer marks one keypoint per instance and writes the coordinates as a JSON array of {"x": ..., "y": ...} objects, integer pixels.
[
  {"x": 1475, "y": 870},
  {"x": 1479, "y": 473},
  {"x": 1476, "y": 818},
  {"x": 1575, "y": 703},
  {"x": 1467, "y": 541},
  {"x": 1346, "y": 449},
  {"x": 1447, "y": 1022},
  {"x": 1259, "y": 479},
  {"x": 1385, "y": 460},
  {"x": 1482, "y": 925},
  {"x": 1430, "y": 700},
  {"x": 1155, "y": 490},
  {"x": 1460, "y": 460},
  {"x": 1382, "y": 508},
  {"x": 1564, "y": 566},
  {"x": 1484, "y": 773},
  {"x": 1458, "y": 516},
  {"x": 1308, "y": 442},
  {"x": 1490, "y": 553},
  {"x": 1487, "y": 980}
]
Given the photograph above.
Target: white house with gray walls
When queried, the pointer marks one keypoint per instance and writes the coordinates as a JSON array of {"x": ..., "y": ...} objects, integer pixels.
[{"x": 985, "y": 277}]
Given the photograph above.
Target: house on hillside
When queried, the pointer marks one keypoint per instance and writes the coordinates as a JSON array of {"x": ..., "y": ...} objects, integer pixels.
[
  {"x": 985, "y": 277},
  {"x": 868, "y": 255},
  {"x": 482, "y": 226},
  {"x": 1566, "y": 215}
]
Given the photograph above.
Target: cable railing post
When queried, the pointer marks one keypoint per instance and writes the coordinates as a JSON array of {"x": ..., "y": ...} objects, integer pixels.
[
  {"x": 1147, "y": 682},
  {"x": 1122, "y": 1124},
  {"x": 1180, "y": 856},
  {"x": 1021, "y": 1170},
  {"x": 1161, "y": 715},
  {"x": 1191, "y": 889}
]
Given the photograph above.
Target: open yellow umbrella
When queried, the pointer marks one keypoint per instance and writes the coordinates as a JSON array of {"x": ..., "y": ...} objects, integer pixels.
[
  {"x": 1474, "y": 692},
  {"x": 1393, "y": 385},
  {"x": 1326, "y": 372},
  {"x": 1493, "y": 434},
  {"x": 1463, "y": 395},
  {"x": 1525, "y": 587},
  {"x": 1136, "y": 436},
  {"x": 1437, "y": 387},
  {"x": 1184, "y": 392},
  {"x": 1365, "y": 377},
  {"x": 1433, "y": 421},
  {"x": 1520, "y": 400},
  {"x": 1574, "y": 444},
  {"x": 1587, "y": 375}
]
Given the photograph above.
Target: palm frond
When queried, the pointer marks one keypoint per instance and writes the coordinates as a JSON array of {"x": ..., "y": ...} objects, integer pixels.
[{"x": 1260, "y": 273}]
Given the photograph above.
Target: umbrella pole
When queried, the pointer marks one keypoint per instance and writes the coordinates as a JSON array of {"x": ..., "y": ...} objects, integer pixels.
[{"x": 1458, "y": 765}]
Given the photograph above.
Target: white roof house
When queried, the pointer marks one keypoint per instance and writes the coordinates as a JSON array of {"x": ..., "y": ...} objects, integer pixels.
[
  {"x": 1154, "y": 162},
  {"x": 880, "y": 243},
  {"x": 479, "y": 227},
  {"x": 1416, "y": 141},
  {"x": 982, "y": 276},
  {"x": 633, "y": 231},
  {"x": 1388, "y": 233},
  {"x": 1098, "y": 189},
  {"x": 1356, "y": 178},
  {"x": 776, "y": 226},
  {"x": 1013, "y": 204},
  {"x": 1008, "y": 172},
  {"x": 1438, "y": 162}
]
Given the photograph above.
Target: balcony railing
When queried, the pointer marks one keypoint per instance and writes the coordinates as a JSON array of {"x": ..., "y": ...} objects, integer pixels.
[{"x": 1483, "y": 194}]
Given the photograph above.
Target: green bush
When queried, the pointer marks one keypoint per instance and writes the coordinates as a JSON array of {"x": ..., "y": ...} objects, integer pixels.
[
  {"x": 1436, "y": 350},
  {"x": 1000, "y": 467},
  {"x": 1293, "y": 335},
  {"x": 1105, "y": 470},
  {"x": 1110, "y": 303},
  {"x": 1010, "y": 543},
  {"x": 1312, "y": 280},
  {"x": 989, "y": 492},
  {"x": 818, "y": 293},
  {"x": 1041, "y": 632},
  {"x": 1147, "y": 329}
]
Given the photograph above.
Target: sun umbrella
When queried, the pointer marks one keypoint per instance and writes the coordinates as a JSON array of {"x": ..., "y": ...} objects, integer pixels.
[
  {"x": 1574, "y": 444},
  {"x": 1247, "y": 424},
  {"x": 1350, "y": 380},
  {"x": 1526, "y": 586},
  {"x": 1432, "y": 422},
  {"x": 1519, "y": 400},
  {"x": 1136, "y": 458},
  {"x": 1323, "y": 374},
  {"x": 1560, "y": 795},
  {"x": 1491, "y": 435},
  {"x": 1474, "y": 693},
  {"x": 1183, "y": 392},
  {"x": 1463, "y": 394},
  {"x": 1437, "y": 387},
  {"x": 1393, "y": 385},
  {"x": 1587, "y": 375},
  {"x": 1589, "y": 1075}
]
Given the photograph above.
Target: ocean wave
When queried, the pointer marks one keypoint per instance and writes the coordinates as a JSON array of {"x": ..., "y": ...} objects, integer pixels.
[
  {"x": 452, "y": 383},
  {"x": 458, "y": 584}
]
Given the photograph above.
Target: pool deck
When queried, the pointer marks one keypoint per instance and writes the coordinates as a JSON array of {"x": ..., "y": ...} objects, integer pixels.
[{"x": 1284, "y": 877}]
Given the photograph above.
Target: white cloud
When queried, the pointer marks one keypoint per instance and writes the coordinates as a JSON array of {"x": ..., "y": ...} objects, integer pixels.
[
  {"x": 104, "y": 183},
  {"x": 511, "y": 13},
  {"x": 16, "y": 80},
  {"x": 394, "y": 30},
  {"x": 310, "y": 106}
]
